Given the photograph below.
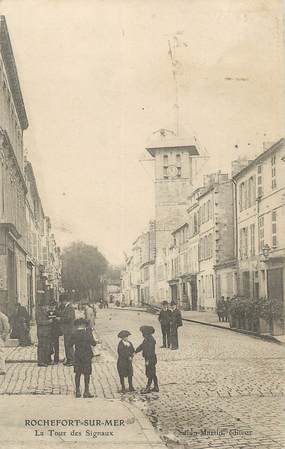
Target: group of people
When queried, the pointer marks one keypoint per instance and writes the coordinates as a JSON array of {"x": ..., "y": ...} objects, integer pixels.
[
  {"x": 170, "y": 320},
  {"x": 57, "y": 320},
  {"x": 223, "y": 309}
]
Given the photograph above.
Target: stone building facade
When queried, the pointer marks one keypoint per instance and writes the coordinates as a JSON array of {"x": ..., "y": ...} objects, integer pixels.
[
  {"x": 138, "y": 278},
  {"x": 201, "y": 243},
  {"x": 260, "y": 219},
  {"x": 13, "y": 122},
  {"x": 22, "y": 219}
]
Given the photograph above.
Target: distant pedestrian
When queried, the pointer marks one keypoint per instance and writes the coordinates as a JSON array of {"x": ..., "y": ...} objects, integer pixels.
[
  {"x": 66, "y": 323},
  {"x": 227, "y": 308},
  {"x": 164, "y": 319},
  {"x": 223, "y": 307},
  {"x": 125, "y": 360},
  {"x": 83, "y": 340},
  {"x": 175, "y": 323},
  {"x": 4, "y": 333},
  {"x": 44, "y": 334},
  {"x": 148, "y": 351},
  {"x": 220, "y": 309}
]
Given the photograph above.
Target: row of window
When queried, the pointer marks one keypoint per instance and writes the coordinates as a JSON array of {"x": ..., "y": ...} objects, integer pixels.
[
  {"x": 247, "y": 237},
  {"x": 9, "y": 117},
  {"x": 205, "y": 212},
  {"x": 206, "y": 247},
  {"x": 203, "y": 215},
  {"x": 186, "y": 262},
  {"x": 247, "y": 241},
  {"x": 247, "y": 193},
  {"x": 247, "y": 189},
  {"x": 206, "y": 287}
]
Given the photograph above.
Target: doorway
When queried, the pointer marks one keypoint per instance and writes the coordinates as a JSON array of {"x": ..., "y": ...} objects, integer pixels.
[
  {"x": 11, "y": 283},
  {"x": 194, "y": 295}
]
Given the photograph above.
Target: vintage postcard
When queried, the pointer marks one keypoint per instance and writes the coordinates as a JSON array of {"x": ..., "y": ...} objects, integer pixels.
[{"x": 142, "y": 224}]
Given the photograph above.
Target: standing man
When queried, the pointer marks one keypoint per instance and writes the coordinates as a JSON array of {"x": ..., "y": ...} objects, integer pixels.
[
  {"x": 175, "y": 322},
  {"x": 66, "y": 323},
  {"x": 56, "y": 332},
  {"x": 219, "y": 309},
  {"x": 4, "y": 332},
  {"x": 44, "y": 334},
  {"x": 164, "y": 319}
]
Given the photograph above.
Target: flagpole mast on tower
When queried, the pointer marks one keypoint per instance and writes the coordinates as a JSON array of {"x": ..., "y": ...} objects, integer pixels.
[{"x": 173, "y": 44}]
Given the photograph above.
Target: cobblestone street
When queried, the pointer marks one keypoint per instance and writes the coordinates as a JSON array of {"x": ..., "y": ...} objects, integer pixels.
[
  {"x": 218, "y": 382},
  {"x": 220, "y": 389}
]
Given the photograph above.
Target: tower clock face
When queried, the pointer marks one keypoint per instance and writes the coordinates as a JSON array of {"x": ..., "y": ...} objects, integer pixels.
[{"x": 172, "y": 171}]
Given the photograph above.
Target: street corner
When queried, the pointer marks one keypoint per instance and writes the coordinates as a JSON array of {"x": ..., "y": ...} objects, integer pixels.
[{"x": 67, "y": 421}]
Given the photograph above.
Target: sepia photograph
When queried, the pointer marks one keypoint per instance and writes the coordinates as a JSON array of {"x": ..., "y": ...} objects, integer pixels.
[{"x": 142, "y": 224}]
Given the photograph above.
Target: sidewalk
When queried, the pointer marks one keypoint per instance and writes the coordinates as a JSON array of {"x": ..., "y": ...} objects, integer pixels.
[
  {"x": 104, "y": 423},
  {"x": 211, "y": 319},
  {"x": 204, "y": 317}
]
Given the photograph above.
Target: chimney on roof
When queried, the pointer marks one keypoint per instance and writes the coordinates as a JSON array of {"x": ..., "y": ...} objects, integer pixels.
[
  {"x": 215, "y": 178},
  {"x": 239, "y": 164}
]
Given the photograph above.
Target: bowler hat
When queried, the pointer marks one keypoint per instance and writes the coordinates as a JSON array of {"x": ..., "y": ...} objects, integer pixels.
[
  {"x": 147, "y": 330},
  {"x": 164, "y": 303},
  {"x": 124, "y": 334}
]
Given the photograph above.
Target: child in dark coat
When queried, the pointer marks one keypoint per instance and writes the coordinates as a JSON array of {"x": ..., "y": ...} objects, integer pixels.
[
  {"x": 83, "y": 340},
  {"x": 125, "y": 356},
  {"x": 148, "y": 351}
]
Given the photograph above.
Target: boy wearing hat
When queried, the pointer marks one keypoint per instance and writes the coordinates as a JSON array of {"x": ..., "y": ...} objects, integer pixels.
[
  {"x": 83, "y": 340},
  {"x": 148, "y": 351},
  {"x": 125, "y": 356}
]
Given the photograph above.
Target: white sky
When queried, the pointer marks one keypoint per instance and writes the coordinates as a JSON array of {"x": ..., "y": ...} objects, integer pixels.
[{"x": 97, "y": 81}]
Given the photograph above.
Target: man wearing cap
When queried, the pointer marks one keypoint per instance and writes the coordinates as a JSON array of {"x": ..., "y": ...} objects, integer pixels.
[
  {"x": 175, "y": 322},
  {"x": 164, "y": 319},
  {"x": 148, "y": 351},
  {"x": 44, "y": 335}
]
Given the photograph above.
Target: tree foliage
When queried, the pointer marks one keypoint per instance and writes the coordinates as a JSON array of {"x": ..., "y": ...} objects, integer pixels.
[
  {"x": 82, "y": 269},
  {"x": 114, "y": 274}
]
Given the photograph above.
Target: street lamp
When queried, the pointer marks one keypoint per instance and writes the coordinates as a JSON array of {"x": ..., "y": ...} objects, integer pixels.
[
  {"x": 264, "y": 258},
  {"x": 265, "y": 253}
]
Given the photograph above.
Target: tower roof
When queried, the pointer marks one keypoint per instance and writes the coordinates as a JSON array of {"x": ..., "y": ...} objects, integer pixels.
[{"x": 165, "y": 139}]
